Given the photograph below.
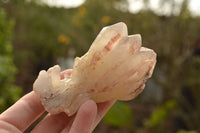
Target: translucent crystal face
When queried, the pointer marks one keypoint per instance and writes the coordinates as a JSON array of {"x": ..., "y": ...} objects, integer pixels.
[{"x": 115, "y": 67}]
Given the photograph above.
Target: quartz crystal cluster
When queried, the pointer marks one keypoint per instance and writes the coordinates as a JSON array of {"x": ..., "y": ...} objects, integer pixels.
[{"x": 116, "y": 67}]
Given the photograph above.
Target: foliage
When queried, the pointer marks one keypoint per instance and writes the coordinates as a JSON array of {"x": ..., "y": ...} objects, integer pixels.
[
  {"x": 183, "y": 131},
  {"x": 119, "y": 115},
  {"x": 9, "y": 92},
  {"x": 44, "y": 34},
  {"x": 160, "y": 113}
]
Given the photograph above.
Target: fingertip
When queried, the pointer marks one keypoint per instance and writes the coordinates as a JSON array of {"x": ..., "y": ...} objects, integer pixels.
[
  {"x": 65, "y": 72},
  {"x": 85, "y": 118},
  {"x": 88, "y": 107},
  {"x": 88, "y": 111}
]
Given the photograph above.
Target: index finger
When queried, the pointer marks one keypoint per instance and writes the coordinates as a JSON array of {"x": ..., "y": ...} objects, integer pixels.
[{"x": 23, "y": 112}]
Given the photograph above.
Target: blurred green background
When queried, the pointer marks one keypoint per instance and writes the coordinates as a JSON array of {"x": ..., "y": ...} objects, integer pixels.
[{"x": 36, "y": 36}]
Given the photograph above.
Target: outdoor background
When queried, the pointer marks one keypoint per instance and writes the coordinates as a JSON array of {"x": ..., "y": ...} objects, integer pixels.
[{"x": 36, "y": 36}]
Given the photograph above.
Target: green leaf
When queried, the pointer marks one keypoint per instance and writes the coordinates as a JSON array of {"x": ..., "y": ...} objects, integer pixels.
[
  {"x": 184, "y": 131},
  {"x": 9, "y": 92},
  {"x": 160, "y": 113},
  {"x": 119, "y": 115}
]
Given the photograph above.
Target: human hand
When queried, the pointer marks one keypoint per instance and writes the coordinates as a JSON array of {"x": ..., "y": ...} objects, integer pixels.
[{"x": 25, "y": 111}]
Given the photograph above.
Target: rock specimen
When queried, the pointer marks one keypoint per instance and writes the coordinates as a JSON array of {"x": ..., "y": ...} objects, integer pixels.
[{"x": 115, "y": 67}]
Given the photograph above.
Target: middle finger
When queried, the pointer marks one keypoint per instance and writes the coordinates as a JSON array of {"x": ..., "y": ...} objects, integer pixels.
[{"x": 52, "y": 123}]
